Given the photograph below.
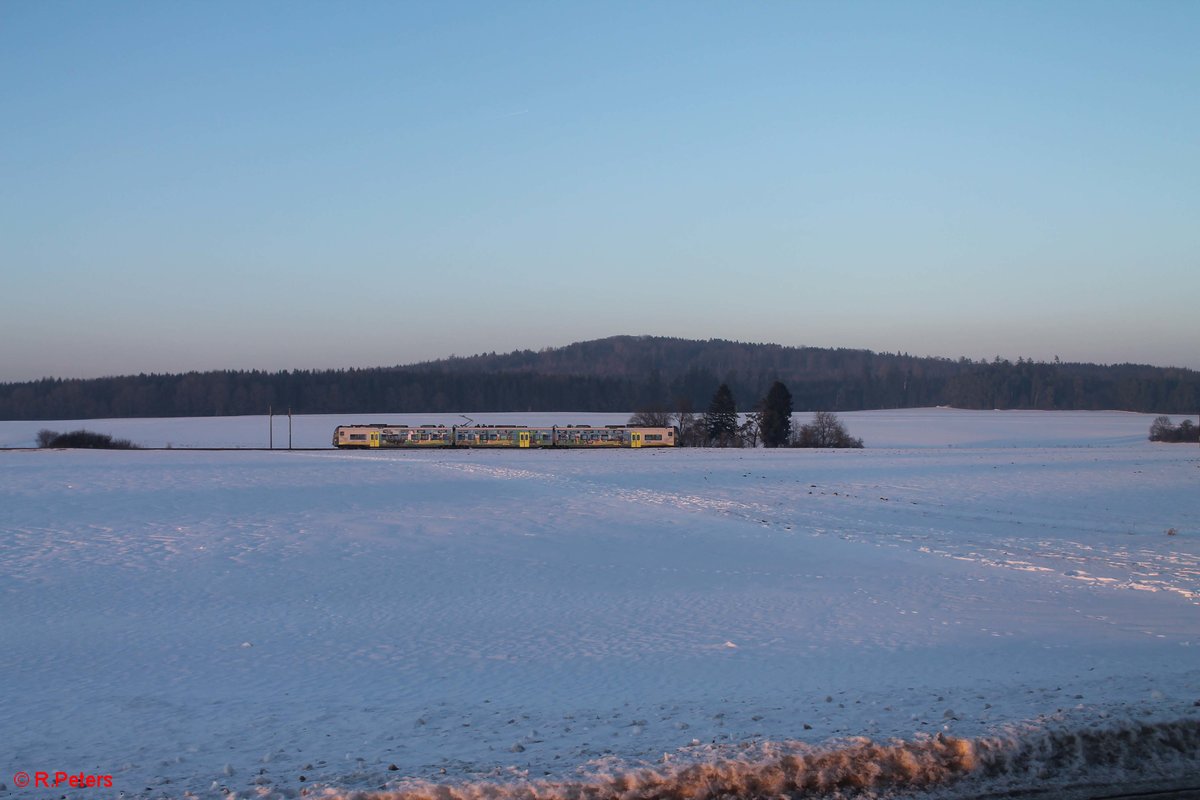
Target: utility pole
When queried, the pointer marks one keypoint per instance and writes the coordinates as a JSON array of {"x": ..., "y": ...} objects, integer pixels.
[
  {"x": 270, "y": 427},
  {"x": 289, "y": 427}
]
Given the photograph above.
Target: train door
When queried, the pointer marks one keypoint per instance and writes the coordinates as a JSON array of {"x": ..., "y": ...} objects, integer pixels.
[
  {"x": 635, "y": 439},
  {"x": 523, "y": 439},
  {"x": 374, "y": 438}
]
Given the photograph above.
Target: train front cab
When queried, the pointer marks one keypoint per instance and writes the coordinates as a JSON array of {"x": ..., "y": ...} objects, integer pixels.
[
  {"x": 351, "y": 436},
  {"x": 660, "y": 438},
  {"x": 652, "y": 437}
]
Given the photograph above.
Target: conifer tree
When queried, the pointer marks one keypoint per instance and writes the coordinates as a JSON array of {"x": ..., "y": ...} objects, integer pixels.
[
  {"x": 721, "y": 419},
  {"x": 775, "y": 418}
]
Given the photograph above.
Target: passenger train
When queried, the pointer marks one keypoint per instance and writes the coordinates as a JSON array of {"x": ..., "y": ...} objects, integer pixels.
[{"x": 518, "y": 436}]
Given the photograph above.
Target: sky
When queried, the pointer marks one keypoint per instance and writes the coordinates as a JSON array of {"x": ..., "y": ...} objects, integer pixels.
[{"x": 290, "y": 185}]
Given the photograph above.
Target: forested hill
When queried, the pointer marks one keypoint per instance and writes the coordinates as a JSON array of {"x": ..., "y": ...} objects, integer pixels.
[{"x": 620, "y": 373}]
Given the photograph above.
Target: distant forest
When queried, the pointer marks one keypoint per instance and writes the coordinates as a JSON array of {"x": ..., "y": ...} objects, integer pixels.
[{"x": 620, "y": 374}]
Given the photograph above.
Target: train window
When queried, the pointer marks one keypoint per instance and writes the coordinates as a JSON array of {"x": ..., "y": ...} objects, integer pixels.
[{"x": 358, "y": 437}]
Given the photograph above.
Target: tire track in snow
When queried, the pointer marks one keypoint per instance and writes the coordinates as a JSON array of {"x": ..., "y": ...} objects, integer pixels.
[
  {"x": 1142, "y": 570},
  {"x": 1116, "y": 569}
]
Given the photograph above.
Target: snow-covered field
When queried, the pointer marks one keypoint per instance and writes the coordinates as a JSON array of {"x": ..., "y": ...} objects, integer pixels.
[
  {"x": 273, "y": 623},
  {"x": 907, "y": 428}
]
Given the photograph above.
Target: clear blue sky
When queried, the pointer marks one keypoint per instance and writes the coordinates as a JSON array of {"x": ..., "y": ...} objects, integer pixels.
[{"x": 199, "y": 185}]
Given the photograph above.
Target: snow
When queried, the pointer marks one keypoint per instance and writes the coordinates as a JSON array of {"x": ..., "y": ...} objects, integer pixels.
[
  {"x": 203, "y": 622},
  {"x": 904, "y": 428}
]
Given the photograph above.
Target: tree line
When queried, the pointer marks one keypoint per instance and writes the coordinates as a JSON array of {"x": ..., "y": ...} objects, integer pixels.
[
  {"x": 615, "y": 375},
  {"x": 1161, "y": 430},
  {"x": 769, "y": 423},
  {"x": 82, "y": 439}
]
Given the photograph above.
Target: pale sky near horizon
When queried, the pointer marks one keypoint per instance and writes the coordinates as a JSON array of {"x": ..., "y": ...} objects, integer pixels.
[{"x": 282, "y": 185}]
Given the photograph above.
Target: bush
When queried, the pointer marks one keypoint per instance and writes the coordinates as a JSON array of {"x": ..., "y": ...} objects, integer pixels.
[
  {"x": 825, "y": 430},
  {"x": 1161, "y": 430},
  {"x": 83, "y": 439}
]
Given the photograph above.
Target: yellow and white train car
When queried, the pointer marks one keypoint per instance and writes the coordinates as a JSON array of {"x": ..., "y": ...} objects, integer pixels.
[{"x": 515, "y": 436}]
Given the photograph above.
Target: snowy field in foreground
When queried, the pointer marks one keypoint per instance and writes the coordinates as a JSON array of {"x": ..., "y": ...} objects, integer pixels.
[{"x": 210, "y": 621}]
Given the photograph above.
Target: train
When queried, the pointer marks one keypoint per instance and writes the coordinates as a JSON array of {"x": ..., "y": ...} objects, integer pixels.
[{"x": 515, "y": 436}]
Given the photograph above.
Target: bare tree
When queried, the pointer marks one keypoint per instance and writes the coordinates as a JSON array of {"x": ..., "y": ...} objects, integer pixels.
[
  {"x": 691, "y": 429},
  {"x": 1163, "y": 431},
  {"x": 825, "y": 430},
  {"x": 651, "y": 418},
  {"x": 750, "y": 430}
]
